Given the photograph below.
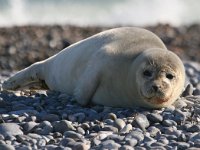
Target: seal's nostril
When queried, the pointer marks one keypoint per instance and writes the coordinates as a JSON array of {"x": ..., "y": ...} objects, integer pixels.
[{"x": 155, "y": 88}]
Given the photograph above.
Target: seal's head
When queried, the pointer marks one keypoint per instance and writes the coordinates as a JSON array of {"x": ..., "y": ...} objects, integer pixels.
[{"x": 160, "y": 77}]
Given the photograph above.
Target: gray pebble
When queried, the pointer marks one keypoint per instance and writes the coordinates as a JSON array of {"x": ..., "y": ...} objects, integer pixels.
[
  {"x": 50, "y": 117},
  {"x": 157, "y": 144},
  {"x": 194, "y": 128},
  {"x": 180, "y": 103},
  {"x": 119, "y": 123},
  {"x": 154, "y": 117},
  {"x": 7, "y": 129},
  {"x": 110, "y": 128},
  {"x": 111, "y": 116},
  {"x": 188, "y": 90},
  {"x": 197, "y": 143},
  {"x": 44, "y": 128},
  {"x": 127, "y": 128},
  {"x": 72, "y": 134},
  {"x": 170, "y": 108},
  {"x": 126, "y": 147},
  {"x": 29, "y": 126},
  {"x": 169, "y": 123},
  {"x": 135, "y": 134},
  {"x": 62, "y": 126},
  {"x": 64, "y": 142},
  {"x": 153, "y": 131},
  {"x": 109, "y": 144},
  {"x": 6, "y": 147},
  {"x": 81, "y": 146},
  {"x": 117, "y": 138},
  {"x": 131, "y": 142},
  {"x": 196, "y": 92},
  {"x": 163, "y": 140},
  {"x": 109, "y": 121},
  {"x": 195, "y": 136},
  {"x": 80, "y": 130},
  {"x": 79, "y": 117},
  {"x": 141, "y": 121},
  {"x": 182, "y": 145}
]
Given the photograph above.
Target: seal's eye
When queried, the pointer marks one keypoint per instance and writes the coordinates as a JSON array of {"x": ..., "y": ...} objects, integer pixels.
[
  {"x": 169, "y": 76},
  {"x": 147, "y": 73}
]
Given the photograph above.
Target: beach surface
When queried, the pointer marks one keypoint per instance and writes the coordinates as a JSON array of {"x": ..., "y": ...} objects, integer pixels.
[{"x": 52, "y": 120}]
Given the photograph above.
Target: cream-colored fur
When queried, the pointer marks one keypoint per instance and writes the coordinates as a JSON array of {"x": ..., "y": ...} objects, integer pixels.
[{"x": 106, "y": 69}]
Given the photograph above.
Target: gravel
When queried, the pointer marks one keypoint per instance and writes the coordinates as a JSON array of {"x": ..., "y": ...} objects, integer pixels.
[{"x": 52, "y": 120}]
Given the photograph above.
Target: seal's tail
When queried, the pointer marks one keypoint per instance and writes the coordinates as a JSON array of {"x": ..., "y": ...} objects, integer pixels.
[{"x": 28, "y": 77}]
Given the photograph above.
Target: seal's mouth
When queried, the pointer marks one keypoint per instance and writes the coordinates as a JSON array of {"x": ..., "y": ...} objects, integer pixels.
[{"x": 155, "y": 99}]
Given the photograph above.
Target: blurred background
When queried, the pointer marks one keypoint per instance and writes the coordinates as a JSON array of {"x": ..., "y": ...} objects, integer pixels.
[
  {"x": 99, "y": 12},
  {"x": 32, "y": 30}
]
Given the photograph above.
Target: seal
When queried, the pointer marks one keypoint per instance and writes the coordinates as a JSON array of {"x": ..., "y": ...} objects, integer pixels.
[{"x": 121, "y": 67}]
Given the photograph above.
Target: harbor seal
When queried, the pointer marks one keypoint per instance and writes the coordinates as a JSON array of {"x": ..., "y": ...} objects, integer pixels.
[{"x": 121, "y": 67}]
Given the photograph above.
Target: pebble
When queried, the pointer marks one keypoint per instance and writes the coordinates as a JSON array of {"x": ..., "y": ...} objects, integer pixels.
[
  {"x": 6, "y": 147},
  {"x": 62, "y": 126},
  {"x": 141, "y": 121},
  {"x": 154, "y": 117},
  {"x": 119, "y": 123},
  {"x": 81, "y": 146},
  {"x": 194, "y": 128},
  {"x": 44, "y": 128},
  {"x": 29, "y": 126},
  {"x": 110, "y": 144},
  {"x": 131, "y": 142},
  {"x": 72, "y": 134},
  {"x": 153, "y": 131},
  {"x": 135, "y": 134},
  {"x": 8, "y": 129},
  {"x": 126, "y": 129},
  {"x": 169, "y": 123},
  {"x": 188, "y": 90},
  {"x": 50, "y": 117}
]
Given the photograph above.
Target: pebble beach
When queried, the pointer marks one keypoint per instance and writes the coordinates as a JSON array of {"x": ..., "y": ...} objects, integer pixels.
[{"x": 31, "y": 120}]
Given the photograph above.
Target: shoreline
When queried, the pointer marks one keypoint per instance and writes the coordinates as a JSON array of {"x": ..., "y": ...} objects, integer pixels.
[{"x": 20, "y": 46}]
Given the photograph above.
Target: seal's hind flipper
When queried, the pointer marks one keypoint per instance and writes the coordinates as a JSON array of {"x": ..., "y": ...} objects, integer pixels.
[{"x": 24, "y": 78}]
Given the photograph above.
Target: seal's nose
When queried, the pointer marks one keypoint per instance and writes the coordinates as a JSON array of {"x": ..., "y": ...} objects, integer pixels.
[{"x": 155, "y": 88}]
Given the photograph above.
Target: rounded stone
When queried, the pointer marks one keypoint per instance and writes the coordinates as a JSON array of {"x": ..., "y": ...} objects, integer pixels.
[
  {"x": 44, "y": 128},
  {"x": 79, "y": 117},
  {"x": 135, "y": 134},
  {"x": 188, "y": 90},
  {"x": 73, "y": 135},
  {"x": 126, "y": 147},
  {"x": 50, "y": 117},
  {"x": 6, "y": 147},
  {"x": 62, "y": 126},
  {"x": 169, "y": 123},
  {"x": 119, "y": 123},
  {"x": 9, "y": 129},
  {"x": 153, "y": 131},
  {"x": 183, "y": 145},
  {"x": 29, "y": 126},
  {"x": 111, "y": 116},
  {"x": 64, "y": 142},
  {"x": 194, "y": 128},
  {"x": 131, "y": 142},
  {"x": 127, "y": 128},
  {"x": 109, "y": 144},
  {"x": 155, "y": 118},
  {"x": 141, "y": 121},
  {"x": 110, "y": 128}
]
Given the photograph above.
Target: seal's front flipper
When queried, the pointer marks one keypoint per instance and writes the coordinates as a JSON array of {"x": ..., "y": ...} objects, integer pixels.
[{"x": 87, "y": 85}]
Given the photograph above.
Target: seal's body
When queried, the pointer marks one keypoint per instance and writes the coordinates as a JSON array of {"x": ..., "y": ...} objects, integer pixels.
[{"x": 122, "y": 67}]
